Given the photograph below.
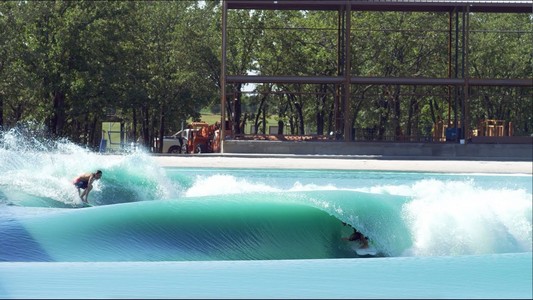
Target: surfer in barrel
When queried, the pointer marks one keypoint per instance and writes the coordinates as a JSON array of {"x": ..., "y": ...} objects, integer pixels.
[
  {"x": 357, "y": 236},
  {"x": 85, "y": 182}
]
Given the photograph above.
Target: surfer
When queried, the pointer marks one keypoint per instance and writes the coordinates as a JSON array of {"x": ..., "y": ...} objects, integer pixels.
[
  {"x": 85, "y": 182},
  {"x": 358, "y": 237}
]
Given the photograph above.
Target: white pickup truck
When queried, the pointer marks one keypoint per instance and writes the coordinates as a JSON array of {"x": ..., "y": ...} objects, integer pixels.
[{"x": 177, "y": 143}]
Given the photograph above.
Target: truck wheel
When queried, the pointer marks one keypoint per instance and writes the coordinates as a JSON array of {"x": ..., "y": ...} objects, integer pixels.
[{"x": 174, "y": 149}]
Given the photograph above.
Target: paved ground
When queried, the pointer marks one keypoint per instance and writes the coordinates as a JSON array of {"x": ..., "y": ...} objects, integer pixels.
[{"x": 343, "y": 163}]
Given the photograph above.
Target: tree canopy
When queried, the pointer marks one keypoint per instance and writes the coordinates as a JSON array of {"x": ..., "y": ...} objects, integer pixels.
[{"x": 70, "y": 65}]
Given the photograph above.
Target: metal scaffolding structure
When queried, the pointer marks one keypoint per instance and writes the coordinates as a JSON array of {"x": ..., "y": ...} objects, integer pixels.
[{"x": 457, "y": 10}]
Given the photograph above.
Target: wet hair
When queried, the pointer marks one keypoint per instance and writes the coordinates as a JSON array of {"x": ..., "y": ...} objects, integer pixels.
[{"x": 98, "y": 172}]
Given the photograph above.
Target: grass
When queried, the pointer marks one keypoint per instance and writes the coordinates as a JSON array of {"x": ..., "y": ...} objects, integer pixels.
[{"x": 210, "y": 118}]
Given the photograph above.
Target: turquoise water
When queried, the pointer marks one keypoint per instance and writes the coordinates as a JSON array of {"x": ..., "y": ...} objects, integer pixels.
[{"x": 255, "y": 233}]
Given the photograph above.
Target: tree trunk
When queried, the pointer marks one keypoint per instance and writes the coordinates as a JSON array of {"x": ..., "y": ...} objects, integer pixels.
[
  {"x": 383, "y": 106},
  {"x": 237, "y": 110},
  {"x": 1, "y": 111},
  {"x": 280, "y": 127},
  {"x": 258, "y": 113},
  {"x": 134, "y": 125},
  {"x": 299, "y": 112},
  {"x": 321, "y": 104},
  {"x": 161, "y": 128},
  {"x": 58, "y": 115},
  {"x": 397, "y": 113},
  {"x": 94, "y": 138},
  {"x": 86, "y": 130},
  {"x": 413, "y": 115},
  {"x": 145, "y": 124}
]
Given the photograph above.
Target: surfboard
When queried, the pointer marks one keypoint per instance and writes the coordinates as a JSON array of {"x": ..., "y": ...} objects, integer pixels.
[
  {"x": 82, "y": 205},
  {"x": 368, "y": 251}
]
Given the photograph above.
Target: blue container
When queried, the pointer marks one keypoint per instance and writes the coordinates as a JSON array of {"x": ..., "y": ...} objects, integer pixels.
[{"x": 453, "y": 134}]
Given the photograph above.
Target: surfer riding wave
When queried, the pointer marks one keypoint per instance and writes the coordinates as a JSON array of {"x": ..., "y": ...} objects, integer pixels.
[{"x": 85, "y": 182}]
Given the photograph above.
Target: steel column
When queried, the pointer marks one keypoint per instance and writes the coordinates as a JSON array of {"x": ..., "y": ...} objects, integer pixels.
[
  {"x": 347, "y": 74},
  {"x": 223, "y": 77},
  {"x": 466, "y": 102}
]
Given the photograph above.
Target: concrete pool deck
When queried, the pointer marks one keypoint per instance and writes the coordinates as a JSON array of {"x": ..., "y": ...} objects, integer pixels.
[{"x": 324, "y": 162}]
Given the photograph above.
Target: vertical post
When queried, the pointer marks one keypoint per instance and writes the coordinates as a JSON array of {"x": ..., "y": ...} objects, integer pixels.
[
  {"x": 466, "y": 126},
  {"x": 223, "y": 77},
  {"x": 340, "y": 70},
  {"x": 347, "y": 74},
  {"x": 456, "y": 71},
  {"x": 450, "y": 32}
]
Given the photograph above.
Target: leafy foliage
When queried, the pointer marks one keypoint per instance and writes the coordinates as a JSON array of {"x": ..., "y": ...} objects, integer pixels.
[{"x": 152, "y": 65}]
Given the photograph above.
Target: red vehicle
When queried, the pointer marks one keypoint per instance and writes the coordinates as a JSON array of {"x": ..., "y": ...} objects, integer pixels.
[{"x": 203, "y": 138}]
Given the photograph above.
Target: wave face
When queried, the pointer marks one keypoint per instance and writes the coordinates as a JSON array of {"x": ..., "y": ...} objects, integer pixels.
[{"x": 142, "y": 212}]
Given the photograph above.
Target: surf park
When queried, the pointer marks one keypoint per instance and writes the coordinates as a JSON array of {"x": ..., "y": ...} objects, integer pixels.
[{"x": 260, "y": 149}]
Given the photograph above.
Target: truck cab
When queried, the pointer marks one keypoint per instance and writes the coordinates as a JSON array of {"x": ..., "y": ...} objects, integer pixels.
[{"x": 175, "y": 143}]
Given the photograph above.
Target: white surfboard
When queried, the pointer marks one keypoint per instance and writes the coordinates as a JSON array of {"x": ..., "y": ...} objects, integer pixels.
[
  {"x": 368, "y": 251},
  {"x": 82, "y": 205}
]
